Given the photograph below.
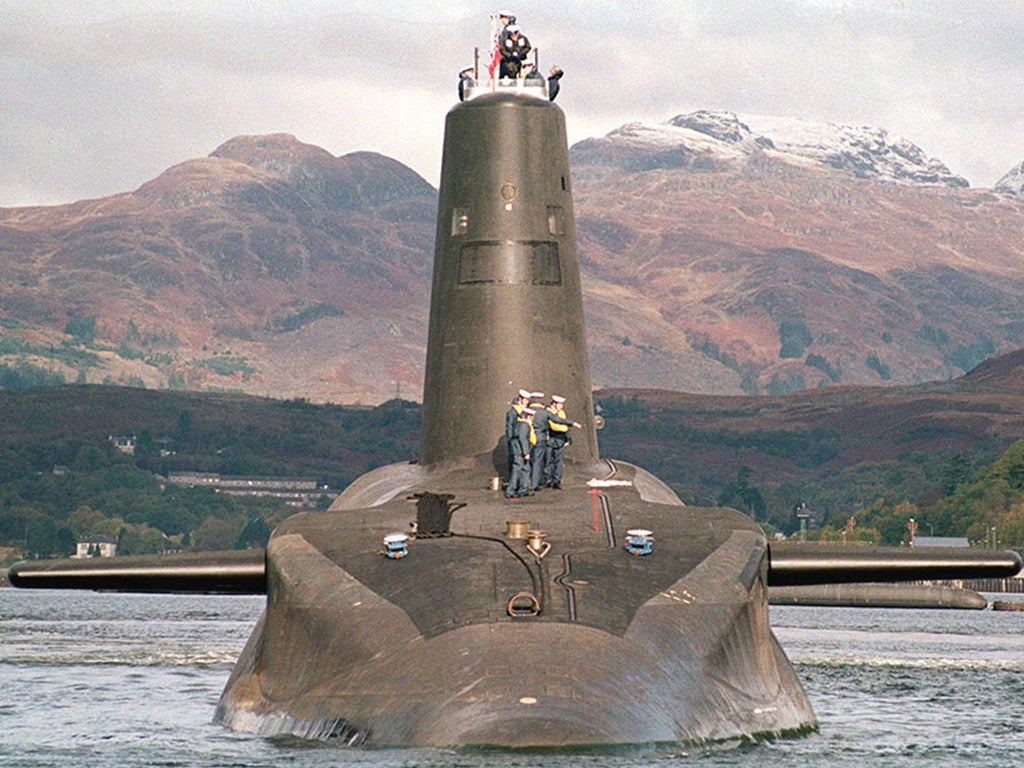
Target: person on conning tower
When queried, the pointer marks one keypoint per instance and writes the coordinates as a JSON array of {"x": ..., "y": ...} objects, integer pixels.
[
  {"x": 521, "y": 448},
  {"x": 554, "y": 76},
  {"x": 465, "y": 81},
  {"x": 504, "y": 19},
  {"x": 531, "y": 76},
  {"x": 559, "y": 437},
  {"x": 514, "y": 47},
  {"x": 515, "y": 410}
]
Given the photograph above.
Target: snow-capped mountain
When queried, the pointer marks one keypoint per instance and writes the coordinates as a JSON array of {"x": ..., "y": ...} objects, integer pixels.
[
  {"x": 1013, "y": 182},
  {"x": 707, "y": 139}
]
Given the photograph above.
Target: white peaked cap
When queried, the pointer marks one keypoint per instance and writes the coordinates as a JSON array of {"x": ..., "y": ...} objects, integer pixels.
[
  {"x": 524, "y": 393},
  {"x": 557, "y": 399}
]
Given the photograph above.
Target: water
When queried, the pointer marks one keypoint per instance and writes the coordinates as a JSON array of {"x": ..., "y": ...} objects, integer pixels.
[{"x": 119, "y": 681}]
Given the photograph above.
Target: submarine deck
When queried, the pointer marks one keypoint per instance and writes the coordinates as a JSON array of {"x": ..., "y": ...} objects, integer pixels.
[
  {"x": 423, "y": 650},
  {"x": 586, "y": 577}
]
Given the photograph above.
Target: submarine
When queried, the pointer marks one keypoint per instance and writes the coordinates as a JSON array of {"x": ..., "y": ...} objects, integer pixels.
[{"x": 426, "y": 609}]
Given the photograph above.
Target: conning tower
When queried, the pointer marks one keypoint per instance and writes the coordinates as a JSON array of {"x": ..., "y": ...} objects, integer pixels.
[{"x": 506, "y": 307}]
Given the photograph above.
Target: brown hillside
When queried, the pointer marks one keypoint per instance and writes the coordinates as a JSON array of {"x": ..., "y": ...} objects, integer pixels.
[
  {"x": 274, "y": 268},
  {"x": 885, "y": 283},
  {"x": 704, "y": 441},
  {"x": 269, "y": 267}
]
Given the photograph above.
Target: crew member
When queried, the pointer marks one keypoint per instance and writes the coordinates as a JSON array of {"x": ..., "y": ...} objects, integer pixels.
[
  {"x": 514, "y": 411},
  {"x": 514, "y": 47},
  {"x": 520, "y": 449},
  {"x": 465, "y": 81},
  {"x": 497, "y": 35},
  {"x": 553, "y": 82},
  {"x": 545, "y": 422},
  {"x": 531, "y": 76},
  {"x": 557, "y": 440}
]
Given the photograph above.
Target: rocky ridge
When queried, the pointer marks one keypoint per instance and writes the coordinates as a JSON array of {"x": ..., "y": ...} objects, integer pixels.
[
  {"x": 712, "y": 140},
  {"x": 720, "y": 255},
  {"x": 269, "y": 267},
  {"x": 1012, "y": 183}
]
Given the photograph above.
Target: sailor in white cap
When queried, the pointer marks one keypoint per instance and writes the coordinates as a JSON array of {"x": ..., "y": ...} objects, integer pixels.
[
  {"x": 500, "y": 22},
  {"x": 520, "y": 448},
  {"x": 558, "y": 425},
  {"x": 466, "y": 81},
  {"x": 544, "y": 420},
  {"x": 519, "y": 402}
]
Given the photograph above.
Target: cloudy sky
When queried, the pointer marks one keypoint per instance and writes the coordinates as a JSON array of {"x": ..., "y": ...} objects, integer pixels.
[{"x": 99, "y": 96}]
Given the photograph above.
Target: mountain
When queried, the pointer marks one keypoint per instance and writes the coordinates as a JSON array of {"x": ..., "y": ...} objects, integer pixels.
[
  {"x": 1013, "y": 182},
  {"x": 835, "y": 449},
  {"x": 727, "y": 258},
  {"x": 720, "y": 254},
  {"x": 838, "y": 447},
  {"x": 708, "y": 141},
  {"x": 270, "y": 267}
]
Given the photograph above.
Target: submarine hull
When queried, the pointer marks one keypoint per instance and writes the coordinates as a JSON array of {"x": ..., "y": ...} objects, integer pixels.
[
  {"x": 537, "y": 687},
  {"x": 673, "y": 647}
]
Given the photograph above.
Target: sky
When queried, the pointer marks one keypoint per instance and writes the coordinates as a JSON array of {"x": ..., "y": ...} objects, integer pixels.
[{"x": 99, "y": 96}]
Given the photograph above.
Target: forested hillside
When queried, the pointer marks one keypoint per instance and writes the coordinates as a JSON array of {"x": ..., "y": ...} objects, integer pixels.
[
  {"x": 61, "y": 477},
  {"x": 950, "y": 456}
]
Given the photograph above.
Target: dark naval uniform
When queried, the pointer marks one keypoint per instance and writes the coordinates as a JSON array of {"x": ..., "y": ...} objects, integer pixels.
[
  {"x": 511, "y": 415},
  {"x": 557, "y": 441},
  {"x": 545, "y": 424},
  {"x": 553, "y": 82},
  {"x": 520, "y": 449},
  {"x": 514, "y": 48}
]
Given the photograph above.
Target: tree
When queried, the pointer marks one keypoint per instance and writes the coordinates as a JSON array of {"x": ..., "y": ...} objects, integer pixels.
[
  {"x": 169, "y": 517},
  {"x": 742, "y": 495},
  {"x": 890, "y": 520},
  {"x": 216, "y": 534},
  {"x": 794, "y": 338},
  {"x": 140, "y": 540},
  {"x": 955, "y": 472},
  {"x": 88, "y": 458},
  {"x": 255, "y": 535},
  {"x": 82, "y": 329},
  {"x": 45, "y": 538},
  {"x": 184, "y": 429},
  {"x": 1009, "y": 467},
  {"x": 85, "y": 521}
]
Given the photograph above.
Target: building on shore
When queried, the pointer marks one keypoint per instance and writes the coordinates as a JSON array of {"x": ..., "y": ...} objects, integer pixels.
[
  {"x": 302, "y": 492},
  {"x": 95, "y": 546}
]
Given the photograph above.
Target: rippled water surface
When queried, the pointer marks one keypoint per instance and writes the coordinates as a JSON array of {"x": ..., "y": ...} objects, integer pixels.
[{"x": 105, "y": 680}]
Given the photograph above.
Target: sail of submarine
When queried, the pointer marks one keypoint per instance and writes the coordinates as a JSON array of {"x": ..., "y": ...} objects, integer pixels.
[{"x": 522, "y": 624}]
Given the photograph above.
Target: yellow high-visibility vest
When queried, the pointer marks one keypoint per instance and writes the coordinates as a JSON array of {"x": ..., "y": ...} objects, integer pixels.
[
  {"x": 554, "y": 426},
  {"x": 533, "y": 435}
]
